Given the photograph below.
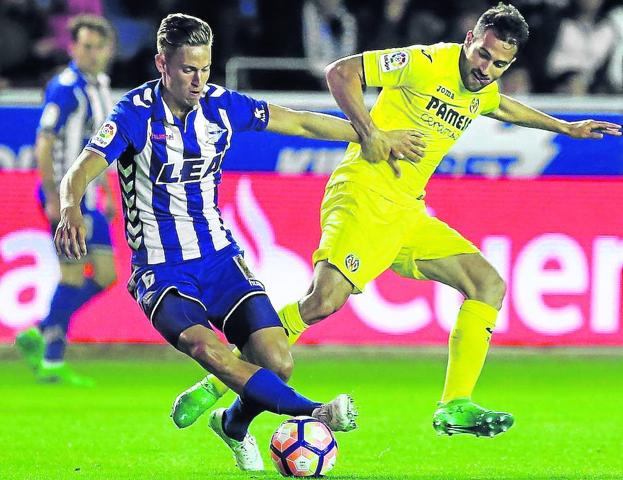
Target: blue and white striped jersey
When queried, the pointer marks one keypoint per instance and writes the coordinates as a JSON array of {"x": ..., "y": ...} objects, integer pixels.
[
  {"x": 75, "y": 105},
  {"x": 169, "y": 170}
]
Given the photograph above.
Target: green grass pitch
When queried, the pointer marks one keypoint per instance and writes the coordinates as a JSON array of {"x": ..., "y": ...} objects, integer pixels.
[{"x": 567, "y": 405}]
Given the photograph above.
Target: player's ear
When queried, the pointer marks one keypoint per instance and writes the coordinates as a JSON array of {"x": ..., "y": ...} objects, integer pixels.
[
  {"x": 469, "y": 38},
  {"x": 160, "y": 62}
]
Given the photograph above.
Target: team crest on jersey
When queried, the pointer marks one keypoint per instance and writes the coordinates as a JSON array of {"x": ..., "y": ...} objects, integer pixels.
[
  {"x": 352, "y": 262},
  {"x": 473, "y": 107},
  {"x": 394, "y": 61},
  {"x": 105, "y": 134}
]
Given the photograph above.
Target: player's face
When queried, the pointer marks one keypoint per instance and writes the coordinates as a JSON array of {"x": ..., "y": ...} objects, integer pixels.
[
  {"x": 91, "y": 51},
  {"x": 185, "y": 73},
  {"x": 484, "y": 59}
]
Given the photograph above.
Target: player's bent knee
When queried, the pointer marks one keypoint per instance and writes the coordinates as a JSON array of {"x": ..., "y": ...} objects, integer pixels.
[
  {"x": 281, "y": 364},
  {"x": 216, "y": 360},
  {"x": 319, "y": 306},
  {"x": 491, "y": 289}
]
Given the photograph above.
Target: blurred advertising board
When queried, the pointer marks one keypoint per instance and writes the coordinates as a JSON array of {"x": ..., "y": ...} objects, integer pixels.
[
  {"x": 557, "y": 242},
  {"x": 488, "y": 148}
]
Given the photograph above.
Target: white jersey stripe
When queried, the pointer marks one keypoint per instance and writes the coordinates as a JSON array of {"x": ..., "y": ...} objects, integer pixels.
[
  {"x": 186, "y": 234},
  {"x": 144, "y": 193},
  {"x": 208, "y": 189}
]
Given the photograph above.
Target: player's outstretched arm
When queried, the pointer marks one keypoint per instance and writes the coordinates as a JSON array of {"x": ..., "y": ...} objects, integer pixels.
[
  {"x": 513, "y": 111},
  {"x": 70, "y": 236},
  {"x": 406, "y": 144},
  {"x": 309, "y": 124}
]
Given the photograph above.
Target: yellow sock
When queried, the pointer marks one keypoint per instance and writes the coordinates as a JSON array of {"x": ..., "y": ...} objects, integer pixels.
[
  {"x": 292, "y": 322},
  {"x": 468, "y": 345}
]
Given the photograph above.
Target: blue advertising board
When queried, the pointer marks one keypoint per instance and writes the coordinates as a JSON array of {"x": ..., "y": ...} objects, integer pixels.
[{"x": 488, "y": 148}]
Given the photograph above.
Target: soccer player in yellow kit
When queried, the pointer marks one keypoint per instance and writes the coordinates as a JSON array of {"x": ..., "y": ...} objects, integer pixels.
[{"x": 373, "y": 214}]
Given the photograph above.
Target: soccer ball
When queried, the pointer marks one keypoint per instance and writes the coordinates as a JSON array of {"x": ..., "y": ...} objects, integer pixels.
[{"x": 303, "y": 447}]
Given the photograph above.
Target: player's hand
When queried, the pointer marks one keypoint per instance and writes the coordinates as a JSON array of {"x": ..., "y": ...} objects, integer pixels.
[
  {"x": 52, "y": 208},
  {"x": 70, "y": 236},
  {"x": 592, "y": 129},
  {"x": 406, "y": 145},
  {"x": 391, "y": 146}
]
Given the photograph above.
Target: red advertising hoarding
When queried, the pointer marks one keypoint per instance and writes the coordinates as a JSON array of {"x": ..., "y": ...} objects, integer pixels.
[{"x": 557, "y": 243}]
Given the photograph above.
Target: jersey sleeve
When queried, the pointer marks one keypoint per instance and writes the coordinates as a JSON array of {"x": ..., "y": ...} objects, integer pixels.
[
  {"x": 246, "y": 113},
  {"x": 397, "y": 67},
  {"x": 60, "y": 101},
  {"x": 491, "y": 100},
  {"x": 121, "y": 131}
]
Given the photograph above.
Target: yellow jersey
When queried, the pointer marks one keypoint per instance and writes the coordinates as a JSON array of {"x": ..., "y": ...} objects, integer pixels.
[{"x": 422, "y": 90}]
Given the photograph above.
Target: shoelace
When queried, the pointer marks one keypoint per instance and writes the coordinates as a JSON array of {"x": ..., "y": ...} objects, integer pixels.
[{"x": 247, "y": 447}]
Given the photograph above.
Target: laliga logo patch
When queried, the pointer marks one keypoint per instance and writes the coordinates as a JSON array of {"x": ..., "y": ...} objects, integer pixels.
[
  {"x": 105, "y": 135},
  {"x": 351, "y": 262},
  {"x": 394, "y": 61},
  {"x": 473, "y": 107}
]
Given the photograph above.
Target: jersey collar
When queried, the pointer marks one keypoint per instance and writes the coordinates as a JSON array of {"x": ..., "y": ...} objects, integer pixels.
[{"x": 161, "y": 110}]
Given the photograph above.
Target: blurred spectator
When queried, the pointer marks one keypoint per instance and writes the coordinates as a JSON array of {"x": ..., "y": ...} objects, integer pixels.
[
  {"x": 403, "y": 22},
  {"x": 56, "y": 42},
  {"x": 516, "y": 81},
  {"x": 21, "y": 25},
  {"x": 464, "y": 20},
  {"x": 329, "y": 33},
  {"x": 614, "y": 72},
  {"x": 575, "y": 46},
  {"x": 585, "y": 39}
]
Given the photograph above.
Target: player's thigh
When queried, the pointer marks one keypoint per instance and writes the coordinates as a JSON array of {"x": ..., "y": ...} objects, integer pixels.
[
  {"x": 429, "y": 239},
  {"x": 471, "y": 274},
  {"x": 102, "y": 259},
  {"x": 151, "y": 285},
  {"x": 175, "y": 314},
  {"x": 255, "y": 313},
  {"x": 72, "y": 272},
  {"x": 362, "y": 233}
]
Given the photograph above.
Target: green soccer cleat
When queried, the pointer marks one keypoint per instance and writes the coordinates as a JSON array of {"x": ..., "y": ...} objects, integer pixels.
[
  {"x": 61, "y": 373},
  {"x": 464, "y": 416},
  {"x": 31, "y": 345},
  {"x": 194, "y": 402}
]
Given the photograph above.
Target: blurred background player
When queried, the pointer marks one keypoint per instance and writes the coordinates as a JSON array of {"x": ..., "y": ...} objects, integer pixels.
[
  {"x": 373, "y": 214},
  {"x": 169, "y": 138},
  {"x": 77, "y": 101}
]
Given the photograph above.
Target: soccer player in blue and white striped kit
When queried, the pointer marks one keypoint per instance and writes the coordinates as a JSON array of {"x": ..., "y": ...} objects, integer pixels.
[
  {"x": 77, "y": 101},
  {"x": 169, "y": 137}
]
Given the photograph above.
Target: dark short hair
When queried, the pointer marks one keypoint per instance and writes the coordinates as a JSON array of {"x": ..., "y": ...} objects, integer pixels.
[
  {"x": 91, "y": 22},
  {"x": 507, "y": 24},
  {"x": 178, "y": 29}
]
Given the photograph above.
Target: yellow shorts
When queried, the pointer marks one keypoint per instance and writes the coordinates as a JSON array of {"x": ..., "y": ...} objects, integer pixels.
[{"x": 364, "y": 234}]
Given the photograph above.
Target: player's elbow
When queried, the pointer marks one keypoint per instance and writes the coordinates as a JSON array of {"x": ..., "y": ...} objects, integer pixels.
[
  {"x": 343, "y": 71},
  {"x": 336, "y": 73}
]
